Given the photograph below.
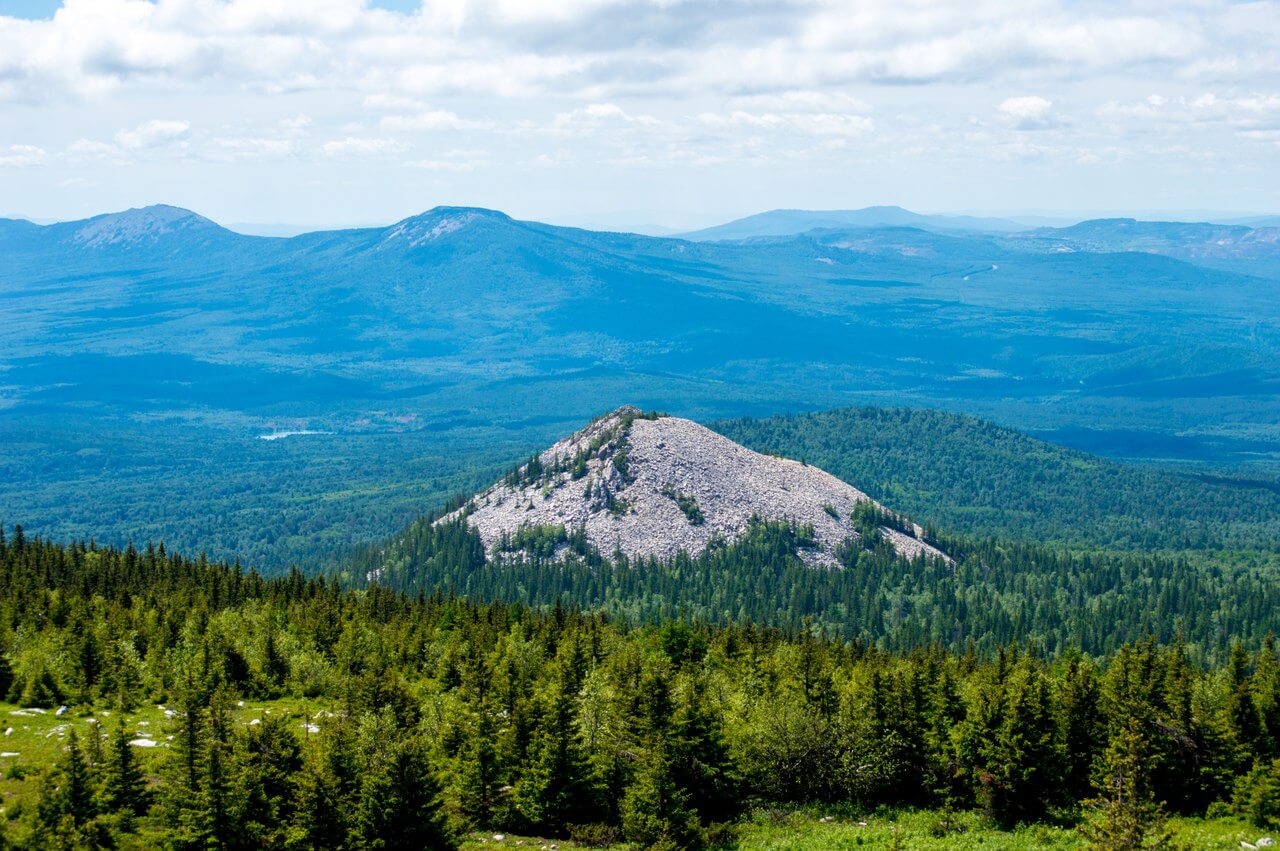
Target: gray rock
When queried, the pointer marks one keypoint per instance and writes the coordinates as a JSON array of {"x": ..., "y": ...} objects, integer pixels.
[{"x": 635, "y": 505}]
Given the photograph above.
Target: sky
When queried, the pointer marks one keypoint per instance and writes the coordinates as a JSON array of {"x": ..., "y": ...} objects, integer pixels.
[{"x": 631, "y": 113}]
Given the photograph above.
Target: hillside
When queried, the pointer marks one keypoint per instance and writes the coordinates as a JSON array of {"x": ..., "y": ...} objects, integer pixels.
[
  {"x": 1235, "y": 246},
  {"x": 655, "y": 486},
  {"x": 976, "y": 478}
]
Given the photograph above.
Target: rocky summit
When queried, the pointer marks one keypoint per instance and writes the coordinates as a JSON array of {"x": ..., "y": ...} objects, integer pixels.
[{"x": 651, "y": 485}]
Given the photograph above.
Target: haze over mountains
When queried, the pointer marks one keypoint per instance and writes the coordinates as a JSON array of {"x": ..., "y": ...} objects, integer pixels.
[
  {"x": 788, "y": 222},
  {"x": 463, "y": 328}
]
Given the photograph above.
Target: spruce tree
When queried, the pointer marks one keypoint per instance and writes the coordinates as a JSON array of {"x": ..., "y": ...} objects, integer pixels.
[
  {"x": 655, "y": 810},
  {"x": 555, "y": 790},
  {"x": 400, "y": 808},
  {"x": 124, "y": 786},
  {"x": 1125, "y": 816}
]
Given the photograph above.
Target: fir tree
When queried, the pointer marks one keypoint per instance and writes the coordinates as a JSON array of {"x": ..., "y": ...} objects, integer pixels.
[{"x": 655, "y": 810}]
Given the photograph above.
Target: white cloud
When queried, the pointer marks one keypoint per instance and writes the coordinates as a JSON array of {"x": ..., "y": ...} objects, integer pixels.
[
  {"x": 601, "y": 115},
  {"x": 1028, "y": 112},
  {"x": 154, "y": 133},
  {"x": 18, "y": 156},
  {"x": 355, "y": 146},
  {"x": 807, "y": 123},
  {"x": 248, "y": 147},
  {"x": 824, "y": 87},
  {"x": 442, "y": 165},
  {"x": 431, "y": 120}
]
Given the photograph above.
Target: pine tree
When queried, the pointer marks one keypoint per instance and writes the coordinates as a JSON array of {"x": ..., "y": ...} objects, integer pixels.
[
  {"x": 77, "y": 787},
  {"x": 1023, "y": 772},
  {"x": 217, "y": 814},
  {"x": 318, "y": 817},
  {"x": 479, "y": 781},
  {"x": 267, "y": 761},
  {"x": 67, "y": 811},
  {"x": 555, "y": 790},
  {"x": 1079, "y": 722}
]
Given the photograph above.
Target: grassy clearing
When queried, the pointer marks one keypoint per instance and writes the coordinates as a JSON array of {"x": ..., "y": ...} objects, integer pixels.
[
  {"x": 35, "y": 739},
  {"x": 929, "y": 830}
]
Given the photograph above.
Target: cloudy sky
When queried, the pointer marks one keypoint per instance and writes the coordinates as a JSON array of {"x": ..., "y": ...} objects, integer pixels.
[{"x": 632, "y": 112}]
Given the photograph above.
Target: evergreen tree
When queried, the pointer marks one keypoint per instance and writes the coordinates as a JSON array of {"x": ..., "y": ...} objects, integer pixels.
[
  {"x": 124, "y": 787},
  {"x": 555, "y": 790},
  {"x": 655, "y": 810},
  {"x": 399, "y": 808},
  {"x": 1125, "y": 816}
]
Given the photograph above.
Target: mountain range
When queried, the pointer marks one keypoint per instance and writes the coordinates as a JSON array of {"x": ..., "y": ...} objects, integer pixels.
[{"x": 464, "y": 335}]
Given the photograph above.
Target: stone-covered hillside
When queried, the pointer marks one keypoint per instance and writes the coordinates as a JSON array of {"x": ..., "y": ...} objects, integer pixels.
[{"x": 650, "y": 485}]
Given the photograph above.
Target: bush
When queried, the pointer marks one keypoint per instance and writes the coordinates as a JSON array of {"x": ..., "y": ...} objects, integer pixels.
[{"x": 594, "y": 835}]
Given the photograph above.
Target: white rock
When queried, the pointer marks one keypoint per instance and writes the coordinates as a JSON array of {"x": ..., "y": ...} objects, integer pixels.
[
  {"x": 669, "y": 459},
  {"x": 143, "y": 743},
  {"x": 62, "y": 710},
  {"x": 8, "y": 754},
  {"x": 1266, "y": 842},
  {"x": 9, "y": 732}
]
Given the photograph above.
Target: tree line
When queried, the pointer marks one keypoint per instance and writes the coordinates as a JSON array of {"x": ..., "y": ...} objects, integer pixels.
[{"x": 991, "y": 594}]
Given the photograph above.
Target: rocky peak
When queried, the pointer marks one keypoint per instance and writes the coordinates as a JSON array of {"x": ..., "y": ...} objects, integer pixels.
[
  {"x": 140, "y": 226},
  {"x": 436, "y": 223},
  {"x": 652, "y": 485}
]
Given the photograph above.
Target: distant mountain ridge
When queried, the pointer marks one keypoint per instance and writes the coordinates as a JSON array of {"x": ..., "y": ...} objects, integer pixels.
[{"x": 791, "y": 222}]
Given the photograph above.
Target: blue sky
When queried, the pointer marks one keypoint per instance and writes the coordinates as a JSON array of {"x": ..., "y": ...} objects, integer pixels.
[{"x": 630, "y": 112}]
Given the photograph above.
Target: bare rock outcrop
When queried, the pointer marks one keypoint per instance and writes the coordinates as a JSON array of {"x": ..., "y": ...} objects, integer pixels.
[{"x": 655, "y": 485}]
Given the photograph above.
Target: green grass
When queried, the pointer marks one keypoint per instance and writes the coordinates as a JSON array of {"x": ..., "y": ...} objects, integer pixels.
[
  {"x": 39, "y": 739},
  {"x": 814, "y": 830}
]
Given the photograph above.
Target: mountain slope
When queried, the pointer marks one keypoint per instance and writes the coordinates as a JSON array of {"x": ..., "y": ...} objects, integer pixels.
[
  {"x": 657, "y": 486},
  {"x": 976, "y": 478},
  {"x": 1227, "y": 246},
  {"x": 790, "y": 222}
]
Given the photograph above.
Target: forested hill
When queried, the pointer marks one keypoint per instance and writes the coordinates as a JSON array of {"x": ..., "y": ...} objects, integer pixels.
[{"x": 975, "y": 478}]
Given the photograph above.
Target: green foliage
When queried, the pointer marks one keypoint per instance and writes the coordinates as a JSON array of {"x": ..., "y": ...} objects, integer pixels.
[
  {"x": 992, "y": 594},
  {"x": 1257, "y": 795},
  {"x": 447, "y": 710},
  {"x": 1125, "y": 816},
  {"x": 979, "y": 479}
]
